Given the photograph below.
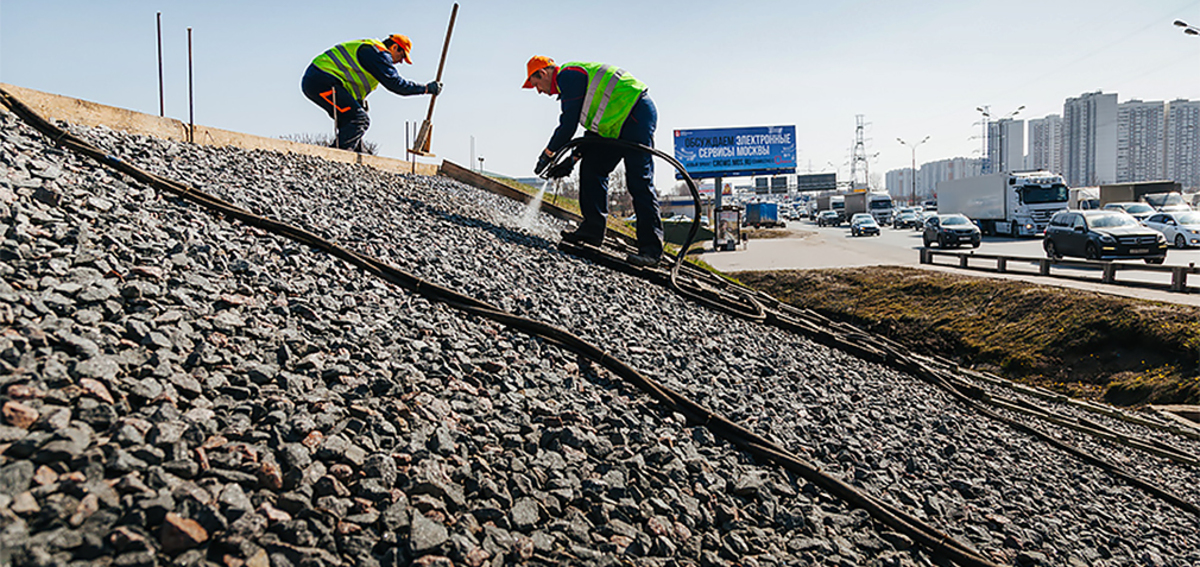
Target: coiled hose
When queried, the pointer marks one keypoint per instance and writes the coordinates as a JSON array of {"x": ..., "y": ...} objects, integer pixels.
[{"x": 742, "y": 304}]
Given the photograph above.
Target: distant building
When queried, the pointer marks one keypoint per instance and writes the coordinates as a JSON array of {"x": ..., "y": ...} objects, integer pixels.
[
  {"x": 1182, "y": 153},
  {"x": 1090, "y": 139},
  {"x": 1045, "y": 144},
  {"x": 899, "y": 181},
  {"x": 1141, "y": 141},
  {"x": 1006, "y": 145},
  {"x": 899, "y": 184}
]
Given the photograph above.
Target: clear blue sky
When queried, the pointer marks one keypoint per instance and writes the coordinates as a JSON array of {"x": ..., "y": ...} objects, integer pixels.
[{"x": 914, "y": 69}]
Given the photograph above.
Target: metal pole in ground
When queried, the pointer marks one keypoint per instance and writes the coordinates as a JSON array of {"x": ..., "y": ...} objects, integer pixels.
[
  {"x": 333, "y": 98},
  {"x": 162, "y": 109},
  {"x": 191, "y": 104}
]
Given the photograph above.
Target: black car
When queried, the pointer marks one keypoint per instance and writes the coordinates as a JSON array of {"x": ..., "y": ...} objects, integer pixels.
[
  {"x": 906, "y": 220},
  {"x": 951, "y": 230},
  {"x": 863, "y": 224},
  {"x": 1102, "y": 235},
  {"x": 829, "y": 217}
]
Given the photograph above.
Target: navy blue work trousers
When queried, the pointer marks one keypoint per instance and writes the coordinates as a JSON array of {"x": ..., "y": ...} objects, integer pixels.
[
  {"x": 598, "y": 162},
  {"x": 352, "y": 120}
]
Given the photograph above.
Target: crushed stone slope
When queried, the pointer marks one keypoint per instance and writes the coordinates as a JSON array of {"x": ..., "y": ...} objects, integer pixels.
[{"x": 182, "y": 390}]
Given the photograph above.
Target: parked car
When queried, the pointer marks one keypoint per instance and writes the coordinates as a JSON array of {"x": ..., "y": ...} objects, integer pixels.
[
  {"x": 1140, "y": 211},
  {"x": 829, "y": 218},
  {"x": 951, "y": 230},
  {"x": 1182, "y": 228},
  {"x": 906, "y": 220},
  {"x": 863, "y": 224},
  {"x": 1102, "y": 235}
]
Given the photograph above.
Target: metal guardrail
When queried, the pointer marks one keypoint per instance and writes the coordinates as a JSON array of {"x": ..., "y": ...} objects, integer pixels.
[{"x": 1106, "y": 270}]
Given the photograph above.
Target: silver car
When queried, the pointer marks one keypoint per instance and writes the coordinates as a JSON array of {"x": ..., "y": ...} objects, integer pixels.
[
  {"x": 1140, "y": 211},
  {"x": 1182, "y": 228}
]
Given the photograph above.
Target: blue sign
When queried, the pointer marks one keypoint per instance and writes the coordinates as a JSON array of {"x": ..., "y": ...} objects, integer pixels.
[{"x": 734, "y": 152}]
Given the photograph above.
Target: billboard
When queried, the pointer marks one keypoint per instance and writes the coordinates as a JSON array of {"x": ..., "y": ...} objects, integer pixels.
[
  {"x": 734, "y": 152},
  {"x": 816, "y": 182}
]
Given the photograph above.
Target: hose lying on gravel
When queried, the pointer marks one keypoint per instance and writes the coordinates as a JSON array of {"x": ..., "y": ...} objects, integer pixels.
[
  {"x": 939, "y": 544},
  {"x": 737, "y": 302}
]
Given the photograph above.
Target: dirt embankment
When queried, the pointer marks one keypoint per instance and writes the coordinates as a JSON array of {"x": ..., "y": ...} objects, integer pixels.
[{"x": 1124, "y": 351}]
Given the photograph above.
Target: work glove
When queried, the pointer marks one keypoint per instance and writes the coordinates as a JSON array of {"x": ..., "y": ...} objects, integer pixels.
[
  {"x": 543, "y": 161},
  {"x": 433, "y": 87},
  {"x": 564, "y": 167}
]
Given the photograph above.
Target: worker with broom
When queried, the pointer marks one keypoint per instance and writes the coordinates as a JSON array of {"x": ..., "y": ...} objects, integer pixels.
[
  {"x": 610, "y": 103},
  {"x": 340, "y": 79}
]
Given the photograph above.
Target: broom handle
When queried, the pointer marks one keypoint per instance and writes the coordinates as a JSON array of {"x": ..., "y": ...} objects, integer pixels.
[{"x": 442, "y": 63}]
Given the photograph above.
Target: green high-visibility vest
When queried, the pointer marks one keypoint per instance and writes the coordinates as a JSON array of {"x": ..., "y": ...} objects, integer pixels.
[
  {"x": 611, "y": 94},
  {"x": 341, "y": 61}
]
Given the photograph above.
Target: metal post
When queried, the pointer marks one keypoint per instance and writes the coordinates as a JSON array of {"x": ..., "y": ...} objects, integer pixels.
[
  {"x": 162, "y": 109},
  {"x": 913, "y": 199},
  {"x": 333, "y": 98},
  {"x": 716, "y": 215},
  {"x": 983, "y": 156},
  {"x": 191, "y": 104}
]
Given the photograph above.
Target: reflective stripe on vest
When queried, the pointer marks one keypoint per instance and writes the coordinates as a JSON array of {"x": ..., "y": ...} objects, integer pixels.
[
  {"x": 618, "y": 91},
  {"x": 341, "y": 61}
]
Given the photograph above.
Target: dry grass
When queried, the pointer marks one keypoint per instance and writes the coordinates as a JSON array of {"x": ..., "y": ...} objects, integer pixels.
[{"x": 1125, "y": 351}]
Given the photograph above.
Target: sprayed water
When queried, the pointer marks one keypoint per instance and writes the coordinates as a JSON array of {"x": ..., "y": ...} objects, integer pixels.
[{"x": 531, "y": 210}]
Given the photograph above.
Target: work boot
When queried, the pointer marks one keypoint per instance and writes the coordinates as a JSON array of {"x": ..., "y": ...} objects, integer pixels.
[
  {"x": 643, "y": 260},
  {"x": 577, "y": 238}
]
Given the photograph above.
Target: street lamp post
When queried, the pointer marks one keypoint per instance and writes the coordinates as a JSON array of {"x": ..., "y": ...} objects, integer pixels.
[
  {"x": 1189, "y": 30},
  {"x": 983, "y": 154},
  {"x": 913, "y": 147}
]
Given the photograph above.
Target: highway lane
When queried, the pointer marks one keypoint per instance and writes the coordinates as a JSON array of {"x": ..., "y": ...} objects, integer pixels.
[{"x": 813, "y": 247}]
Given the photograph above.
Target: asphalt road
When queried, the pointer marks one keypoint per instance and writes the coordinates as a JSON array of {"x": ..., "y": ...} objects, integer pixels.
[{"x": 813, "y": 247}]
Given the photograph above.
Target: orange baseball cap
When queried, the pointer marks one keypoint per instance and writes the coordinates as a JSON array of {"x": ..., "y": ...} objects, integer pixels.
[
  {"x": 404, "y": 43},
  {"x": 535, "y": 64}
]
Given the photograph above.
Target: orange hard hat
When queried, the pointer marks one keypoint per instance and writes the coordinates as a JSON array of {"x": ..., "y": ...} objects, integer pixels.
[
  {"x": 403, "y": 43},
  {"x": 535, "y": 64}
]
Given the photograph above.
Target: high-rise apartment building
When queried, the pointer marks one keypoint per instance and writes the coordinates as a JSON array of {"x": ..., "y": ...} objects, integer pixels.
[
  {"x": 899, "y": 181},
  {"x": 1182, "y": 153},
  {"x": 1090, "y": 139},
  {"x": 1006, "y": 145},
  {"x": 1046, "y": 144},
  {"x": 1141, "y": 141}
]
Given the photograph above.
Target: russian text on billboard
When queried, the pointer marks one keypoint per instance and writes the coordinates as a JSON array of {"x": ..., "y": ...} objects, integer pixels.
[{"x": 733, "y": 152}]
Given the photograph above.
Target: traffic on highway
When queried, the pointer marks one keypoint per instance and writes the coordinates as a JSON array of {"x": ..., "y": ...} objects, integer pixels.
[{"x": 823, "y": 242}]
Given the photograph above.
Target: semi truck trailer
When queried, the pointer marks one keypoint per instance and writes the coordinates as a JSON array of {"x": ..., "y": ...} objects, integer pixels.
[{"x": 1018, "y": 203}]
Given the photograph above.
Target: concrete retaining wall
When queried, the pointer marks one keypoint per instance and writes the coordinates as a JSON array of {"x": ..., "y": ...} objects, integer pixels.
[{"x": 85, "y": 113}]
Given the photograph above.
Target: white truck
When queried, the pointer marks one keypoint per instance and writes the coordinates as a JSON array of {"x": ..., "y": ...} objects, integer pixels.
[
  {"x": 879, "y": 205},
  {"x": 1084, "y": 198},
  {"x": 1019, "y": 203},
  {"x": 838, "y": 203}
]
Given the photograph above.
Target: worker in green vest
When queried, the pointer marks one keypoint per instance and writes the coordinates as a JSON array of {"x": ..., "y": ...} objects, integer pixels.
[
  {"x": 346, "y": 73},
  {"x": 610, "y": 103}
]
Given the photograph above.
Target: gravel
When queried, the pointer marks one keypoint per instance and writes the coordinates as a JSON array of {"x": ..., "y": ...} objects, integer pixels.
[{"x": 178, "y": 389}]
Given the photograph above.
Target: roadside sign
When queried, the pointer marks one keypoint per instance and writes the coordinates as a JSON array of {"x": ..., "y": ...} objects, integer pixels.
[
  {"x": 734, "y": 152},
  {"x": 816, "y": 182}
]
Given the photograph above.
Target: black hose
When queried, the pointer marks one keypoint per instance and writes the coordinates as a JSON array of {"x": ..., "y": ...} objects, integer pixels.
[
  {"x": 748, "y": 307},
  {"x": 920, "y": 532}
]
